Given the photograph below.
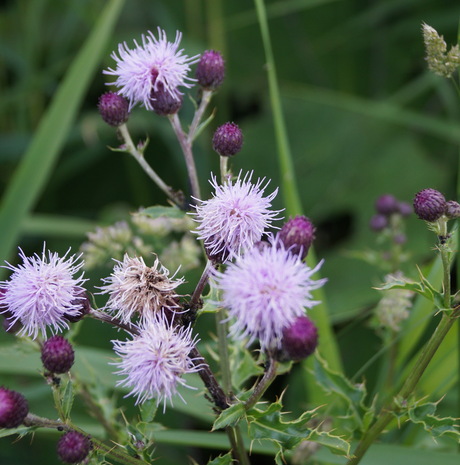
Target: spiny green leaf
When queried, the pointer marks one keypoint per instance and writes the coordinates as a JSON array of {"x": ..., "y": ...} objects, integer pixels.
[
  {"x": 335, "y": 444},
  {"x": 222, "y": 460},
  {"x": 353, "y": 394},
  {"x": 242, "y": 365},
  {"x": 148, "y": 410},
  {"x": 229, "y": 417}
]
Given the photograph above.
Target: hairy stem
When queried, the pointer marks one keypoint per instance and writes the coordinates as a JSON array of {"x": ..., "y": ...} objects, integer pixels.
[{"x": 176, "y": 197}]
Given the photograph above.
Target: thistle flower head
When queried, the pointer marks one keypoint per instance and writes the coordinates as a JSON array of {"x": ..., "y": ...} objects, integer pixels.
[
  {"x": 210, "y": 71},
  {"x": 429, "y": 204},
  {"x": 155, "y": 360},
  {"x": 265, "y": 290},
  {"x": 113, "y": 108},
  {"x": 235, "y": 217},
  {"x": 42, "y": 292},
  {"x": 73, "y": 447},
  {"x": 134, "y": 288},
  {"x": 13, "y": 408},
  {"x": 155, "y": 64}
]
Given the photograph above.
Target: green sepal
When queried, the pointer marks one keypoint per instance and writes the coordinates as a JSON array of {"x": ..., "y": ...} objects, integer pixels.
[{"x": 226, "y": 459}]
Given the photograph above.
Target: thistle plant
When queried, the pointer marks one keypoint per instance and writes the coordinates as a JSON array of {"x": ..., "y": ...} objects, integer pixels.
[{"x": 254, "y": 271}]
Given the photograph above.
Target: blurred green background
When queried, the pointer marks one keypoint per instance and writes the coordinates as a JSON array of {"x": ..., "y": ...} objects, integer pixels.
[{"x": 364, "y": 118}]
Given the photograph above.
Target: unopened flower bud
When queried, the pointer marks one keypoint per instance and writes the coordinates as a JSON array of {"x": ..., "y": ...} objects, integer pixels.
[
  {"x": 386, "y": 204},
  {"x": 227, "y": 140},
  {"x": 113, "y": 108},
  {"x": 297, "y": 235},
  {"x": 163, "y": 103},
  {"x": 299, "y": 340},
  {"x": 452, "y": 209},
  {"x": 73, "y": 447},
  {"x": 13, "y": 408},
  {"x": 378, "y": 222},
  {"x": 404, "y": 209},
  {"x": 210, "y": 70},
  {"x": 429, "y": 205},
  {"x": 57, "y": 355}
]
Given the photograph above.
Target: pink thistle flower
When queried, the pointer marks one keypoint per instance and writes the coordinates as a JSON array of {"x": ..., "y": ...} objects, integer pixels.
[
  {"x": 134, "y": 288},
  {"x": 155, "y": 360},
  {"x": 235, "y": 217},
  {"x": 265, "y": 291},
  {"x": 42, "y": 292},
  {"x": 156, "y": 65}
]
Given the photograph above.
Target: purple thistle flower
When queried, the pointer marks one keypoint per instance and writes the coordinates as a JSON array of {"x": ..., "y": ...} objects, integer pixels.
[
  {"x": 155, "y": 360},
  {"x": 42, "y": 291},
  {"x": 140, "y": 71},
  {"x": 235, "y": 217},
  {"x": 265, "y": 291},
  {"x": 134, "y": 288}
]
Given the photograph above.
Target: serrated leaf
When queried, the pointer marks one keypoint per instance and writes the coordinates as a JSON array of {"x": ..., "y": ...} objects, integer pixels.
[
  {"x": 268, "y": 424},
  {"x": 424, "y": 414},
  {"x": 335, "y": 444},
  {"x": 160, "y": 210},
  {"x": 242, "y": 365},
  {"x": 222, "y": 460},
  {"x": 230, "y": 416},
  {"x": 68, "y": 396},
  {"x": 353, "y": 394},
  {"x": 20, "y": 430}
]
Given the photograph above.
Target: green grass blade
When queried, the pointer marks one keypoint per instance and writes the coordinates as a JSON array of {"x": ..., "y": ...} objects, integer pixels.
[{"x": 35, "y": 168}]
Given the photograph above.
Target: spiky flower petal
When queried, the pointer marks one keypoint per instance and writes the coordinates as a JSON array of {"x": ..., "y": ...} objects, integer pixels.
[
  {"x": 155, "y": 360},
  {"x": 235, "y": 217},
  {"x": 155, "y": 64},
  {"x": 134, "y": 288},
  {"x": 265, "y": 290},
  {"x": 42, "y": 292}
]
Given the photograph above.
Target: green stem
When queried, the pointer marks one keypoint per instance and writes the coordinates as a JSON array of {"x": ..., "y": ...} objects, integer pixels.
[
  {"x": 222, "y": 331},
  {"x": 176, "y": 197},
  {"x": 263, "y": 385},
  {"x": 186, "y": 146},
  {"x": 205, "y": 99},
  {"x": 288, "y": 181},
  {"x": 387, "y": 414}
]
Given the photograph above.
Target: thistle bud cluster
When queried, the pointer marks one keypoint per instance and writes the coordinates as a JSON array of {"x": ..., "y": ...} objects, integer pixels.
[
  {"x": 440, "y": 61},
  {"x": 430, "y": 205}
]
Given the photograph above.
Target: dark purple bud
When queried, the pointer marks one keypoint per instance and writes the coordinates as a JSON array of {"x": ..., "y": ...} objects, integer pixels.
[
  {"x": 297, "y": 235},
  {"x": 405, "y": 209},
  {"x": 386, "y": 204},
  {"x": 378, "y": 222},
  {"x": 227, "y": 140},
  {"x": 210, "y": 70},
  {"x": 400, "y": 239},
  {"x": 163, "y": 103},
  {"x": 299, "y": 340},
  {"x": 113, "y": 108},
  {"x": 452, "y": 209},
  {"x": 73, "y": 447},
  {"x": 85, "y": 307},
  {"x": 57, "y": 355},
  {"x": 13, "y": 408},
  {"x": 429, "y": 205}
]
